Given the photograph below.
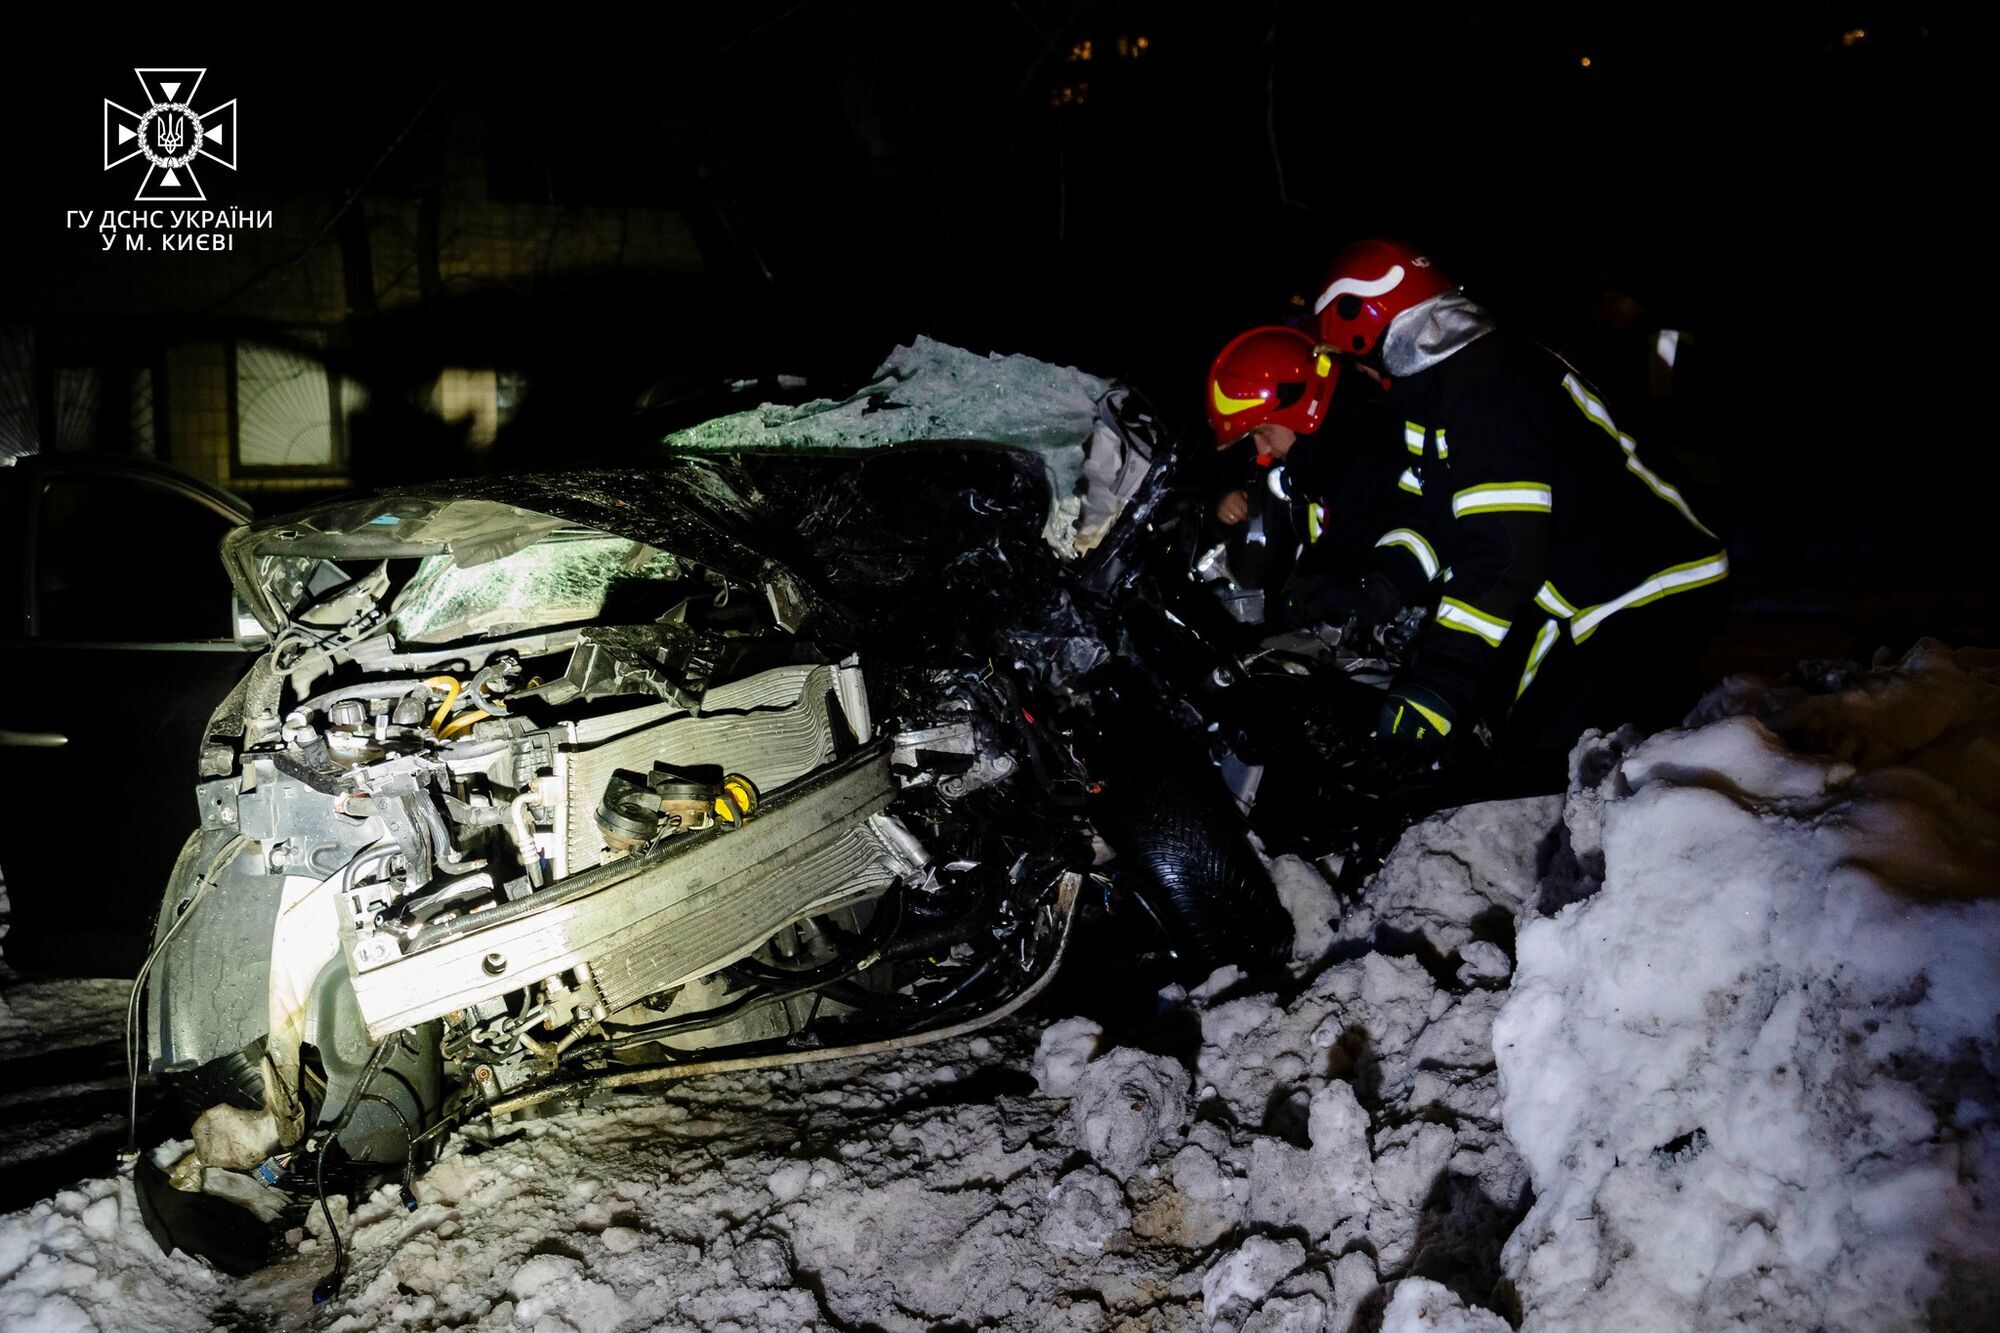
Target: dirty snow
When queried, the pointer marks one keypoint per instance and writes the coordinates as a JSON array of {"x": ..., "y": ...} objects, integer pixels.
[
  {"x": 1741, "y": 982},
  {"x": 1754, "y": 1076},
  {"x": 1066, "y": 1046}
]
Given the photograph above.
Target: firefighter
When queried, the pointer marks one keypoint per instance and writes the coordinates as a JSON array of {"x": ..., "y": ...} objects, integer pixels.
[
  {"x": 1571, "y": 586},
  {"x": 1327, "y": 452}
]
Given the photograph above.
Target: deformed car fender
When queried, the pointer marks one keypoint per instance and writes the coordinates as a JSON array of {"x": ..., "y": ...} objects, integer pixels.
[{"x": 208, "y": 1009}]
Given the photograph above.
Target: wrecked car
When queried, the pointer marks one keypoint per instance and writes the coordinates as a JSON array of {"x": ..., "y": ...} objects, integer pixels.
[{"x": 814, "y": 737}]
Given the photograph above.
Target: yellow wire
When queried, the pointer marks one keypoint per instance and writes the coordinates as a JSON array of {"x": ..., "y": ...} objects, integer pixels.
[
  {"x": 463, "y": 723},
  {"x": 451, "y": 687}
]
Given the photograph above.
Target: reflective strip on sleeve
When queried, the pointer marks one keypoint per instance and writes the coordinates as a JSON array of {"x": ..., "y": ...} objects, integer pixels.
[
  {"x": 1454, "y": 614},
  {"x": 1590, "y": 405},
  {"x": 1659, "y": 486},
  {"x": 1413, "y": 438},
  {"x": 1501, "y": 497},
  {"x": 1444, "y": 450},
  {"x": 1554, "y": 602},
  {"x": 1545, "y": 639},
  {"x": 1410, "y": 482},
  {"x": 1412, "y": 541},
  {"x": 1315, "y": 521},
  {"x": 1679, "y": 578},
  {"x": 1593, "y": 407}
]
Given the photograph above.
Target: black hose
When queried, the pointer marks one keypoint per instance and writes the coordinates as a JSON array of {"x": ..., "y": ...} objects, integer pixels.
[
  {"x": 964, "y": 983},
  {"x": 329, "y": 1286},
  {"x": 938, "y": 939},
  {"x": 650, "y": 1033},
  {"x": 443, "y": 848},
  {"x": 409, "y": 1145},
  {"x": 832, "y": 970}
]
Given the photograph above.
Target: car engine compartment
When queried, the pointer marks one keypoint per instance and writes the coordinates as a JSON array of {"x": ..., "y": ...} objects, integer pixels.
[{"x": 449, "y": 850}]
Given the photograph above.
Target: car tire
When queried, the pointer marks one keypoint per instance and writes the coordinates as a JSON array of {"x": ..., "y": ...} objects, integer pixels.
[{"x": 1183, "y": 848}]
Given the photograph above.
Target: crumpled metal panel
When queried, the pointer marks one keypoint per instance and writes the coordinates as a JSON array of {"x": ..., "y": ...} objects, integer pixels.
[
  {"x": 208, "y": 989},
  {"x": 931, "y": 391}
]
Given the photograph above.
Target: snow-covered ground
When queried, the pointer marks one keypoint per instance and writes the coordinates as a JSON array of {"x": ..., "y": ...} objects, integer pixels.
[
  {"x": 1709, "y": 1042},
  {"x": 63, "y": 1094}
]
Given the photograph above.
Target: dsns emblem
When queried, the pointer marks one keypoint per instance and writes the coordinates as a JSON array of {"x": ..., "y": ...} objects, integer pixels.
[{"x": 170, "y": 134}]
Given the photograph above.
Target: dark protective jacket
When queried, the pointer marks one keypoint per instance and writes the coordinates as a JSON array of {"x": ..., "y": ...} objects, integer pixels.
[
  {"x": 1525, "y": 510},
  {"x": 1349, "y": 469}
]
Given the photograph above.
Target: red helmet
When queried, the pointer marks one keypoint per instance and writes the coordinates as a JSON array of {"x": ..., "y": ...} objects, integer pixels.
[
  {"x": 1269, "y": 374},
  {"x": 1370, "y": 283}
]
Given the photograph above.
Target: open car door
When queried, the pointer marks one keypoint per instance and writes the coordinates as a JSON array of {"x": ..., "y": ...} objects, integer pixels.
[{"x": 118, "y": 643}]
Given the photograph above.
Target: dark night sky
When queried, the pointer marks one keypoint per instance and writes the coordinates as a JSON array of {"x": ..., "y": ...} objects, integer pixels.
[{"x": 1802, "y": 204}]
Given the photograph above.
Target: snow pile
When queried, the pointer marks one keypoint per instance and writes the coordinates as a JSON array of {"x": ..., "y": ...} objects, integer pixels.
[
  {"x": 1362, "y": 1118},
  {"x": 1456, "y": 884},
  {"x": 934, "y": 391},
  {"x": 83, "y": 1260},
  {"x": 1126, "y": 1105},
  {"x": 1423, "y": 1306},
  {"x": 1755, "y": 1076},
  {"x": 1065, "y": 1048}
]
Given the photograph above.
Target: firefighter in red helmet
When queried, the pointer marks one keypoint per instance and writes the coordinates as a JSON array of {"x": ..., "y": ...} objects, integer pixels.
[
  {"x": 1272, "y": 385},
  {"x": 1323, "y": 452},
  {"x": 1570, "y": 585}
]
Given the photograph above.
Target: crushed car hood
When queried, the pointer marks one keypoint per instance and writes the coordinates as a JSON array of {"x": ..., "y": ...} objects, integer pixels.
[
  {"x": 686, "y": 509},
  {"x": 740, "y": 497}
]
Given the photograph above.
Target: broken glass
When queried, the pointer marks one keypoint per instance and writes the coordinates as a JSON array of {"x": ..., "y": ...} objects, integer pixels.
[{"x": 567, "y": 578}]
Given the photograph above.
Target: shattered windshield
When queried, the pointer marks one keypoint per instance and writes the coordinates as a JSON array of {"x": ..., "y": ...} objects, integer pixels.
[{"x": 568, "y": 577}]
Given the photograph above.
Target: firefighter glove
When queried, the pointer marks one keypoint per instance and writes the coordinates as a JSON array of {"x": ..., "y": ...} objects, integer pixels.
[{"x": 1415, "y": 717}]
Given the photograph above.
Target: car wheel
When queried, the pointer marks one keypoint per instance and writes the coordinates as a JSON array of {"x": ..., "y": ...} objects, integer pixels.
[{"x": 1183, "y": 847}]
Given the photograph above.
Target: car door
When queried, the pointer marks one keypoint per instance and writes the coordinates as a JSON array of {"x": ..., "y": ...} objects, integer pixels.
[{"x": 119, "y": 646}]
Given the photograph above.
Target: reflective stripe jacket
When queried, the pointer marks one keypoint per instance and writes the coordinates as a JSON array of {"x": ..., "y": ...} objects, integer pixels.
[
  {"x": 1525, "y": 511},
  {"x": 1350, "y": 469}
]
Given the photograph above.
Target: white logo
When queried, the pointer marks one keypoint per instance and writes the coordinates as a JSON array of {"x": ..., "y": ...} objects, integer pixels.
[
  {"x": 170, "y": 134},
  {"x": 1369, "y": 287}
]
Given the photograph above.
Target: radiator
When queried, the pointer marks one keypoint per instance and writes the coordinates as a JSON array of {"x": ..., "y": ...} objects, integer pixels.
[
  {"x": 697, "y": 902},
  {"x": 773, "y": 728}
]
